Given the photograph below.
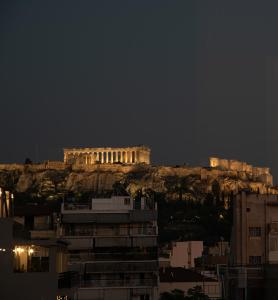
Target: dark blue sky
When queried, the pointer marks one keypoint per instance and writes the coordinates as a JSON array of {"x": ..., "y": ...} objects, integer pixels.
[{"x": 188, "y": 78}]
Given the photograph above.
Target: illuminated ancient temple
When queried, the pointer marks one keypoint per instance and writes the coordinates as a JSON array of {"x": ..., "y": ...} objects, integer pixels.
[{"x": 107, "y": 155}]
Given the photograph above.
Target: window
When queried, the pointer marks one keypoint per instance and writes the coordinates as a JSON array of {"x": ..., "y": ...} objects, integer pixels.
[
  {"x": 255, "y": 231},
  {"x": 127, "y": 201},
  {"x": 273, "y": 244},
  {"x": 255, "y": 260},
  {"x": 31, "y": 259}
]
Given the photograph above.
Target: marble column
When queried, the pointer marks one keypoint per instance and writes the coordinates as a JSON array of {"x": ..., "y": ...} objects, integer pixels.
[
  {"x": 112, "y": 158},
  {"x": 116, "y": 156},
  {"x": 102, "y": 158}
]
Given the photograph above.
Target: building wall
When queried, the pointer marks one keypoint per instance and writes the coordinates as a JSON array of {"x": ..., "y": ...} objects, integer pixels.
[
  {"x": 31, "y": 286},
  {"x": 113, "y": 203},
  {"x": 183, "y": 254},
  {"x": 253, "y": 211}
]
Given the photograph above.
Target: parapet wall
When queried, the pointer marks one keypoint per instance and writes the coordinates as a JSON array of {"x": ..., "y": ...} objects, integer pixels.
[{"x": 55, "y": 165}]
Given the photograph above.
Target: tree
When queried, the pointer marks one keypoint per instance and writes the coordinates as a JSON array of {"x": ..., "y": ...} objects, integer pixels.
[
  {"x": 196, "y": 294},
  {"x": 181, "y": 186},
  {"x": 174, "y": 295},
  {"x": 119, "y": 189},
  {"x": 28, "y": 161},
  {"x": 192, "y": 294}
]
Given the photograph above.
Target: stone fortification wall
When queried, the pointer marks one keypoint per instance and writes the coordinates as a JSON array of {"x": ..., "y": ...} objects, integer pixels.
[
  {"x": 54, "y": 165},
  {"x": 257, "y": 173}
]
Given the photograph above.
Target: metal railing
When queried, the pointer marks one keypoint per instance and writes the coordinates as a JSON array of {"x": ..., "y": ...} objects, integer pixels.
[
  {"x": 119, "y": 283},
  {"x": 112, "y": 256},
  {"x": 110, "y": 267}
]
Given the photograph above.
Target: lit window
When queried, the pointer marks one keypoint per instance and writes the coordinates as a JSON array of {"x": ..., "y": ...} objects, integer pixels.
[
  {"x": 255, "y": 231},
  {"x": 31, "y": 259}
]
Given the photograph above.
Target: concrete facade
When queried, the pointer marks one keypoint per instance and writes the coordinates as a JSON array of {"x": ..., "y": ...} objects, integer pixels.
[
  {"x": 89, "y": 156},
  {"x": 253, "y": 269},
  {"x": 183, "y": 254},
  {"x": 255, "y": 229}
]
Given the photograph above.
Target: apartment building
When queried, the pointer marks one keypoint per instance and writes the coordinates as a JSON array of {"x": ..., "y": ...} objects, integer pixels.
[
  {"x": 31, "y": 268},
  {"x": 253, "y": 270},
  {"x": 113, "y": 246}
]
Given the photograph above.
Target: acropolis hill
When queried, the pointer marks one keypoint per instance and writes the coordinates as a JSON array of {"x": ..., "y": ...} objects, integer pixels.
[{"x": 97, "y": 169}]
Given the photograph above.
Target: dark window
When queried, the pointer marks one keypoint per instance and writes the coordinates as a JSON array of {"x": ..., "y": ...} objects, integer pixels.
[
  {"x": 29, "y": 222},
  {"x": 127, "y": 201},
  {"x": 255, "y": 231},
  {"x": 255, "y": 260}
]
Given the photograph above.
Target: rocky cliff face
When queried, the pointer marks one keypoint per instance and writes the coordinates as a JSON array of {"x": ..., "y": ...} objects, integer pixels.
[{"x": 45, "y": 180}]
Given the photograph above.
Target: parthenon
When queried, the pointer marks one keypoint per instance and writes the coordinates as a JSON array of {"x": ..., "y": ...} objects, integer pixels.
[{"x": 107, "y": 155}]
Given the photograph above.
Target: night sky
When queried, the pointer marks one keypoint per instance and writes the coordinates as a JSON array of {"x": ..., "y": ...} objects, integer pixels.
[{"x": 190, "y": 79}]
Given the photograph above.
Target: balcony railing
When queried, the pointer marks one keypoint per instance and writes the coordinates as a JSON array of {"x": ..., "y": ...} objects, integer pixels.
[
  {"x": 112, "y": 256},
  {"x": 67, "y": 280},
  {"x": 127, "y": 217},
  {"x": 119, "y": 283},
  {"x": 75, "y": 206},
  {"x": 88, "y": 243},
  {"x": 115, "y": 267},
  {"x": 91, "y": 232}
]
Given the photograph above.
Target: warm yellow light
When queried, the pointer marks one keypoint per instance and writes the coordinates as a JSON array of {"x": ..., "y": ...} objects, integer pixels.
[
  {"x": 30, "y": 251},
  {"x": 18, "y": 250}
]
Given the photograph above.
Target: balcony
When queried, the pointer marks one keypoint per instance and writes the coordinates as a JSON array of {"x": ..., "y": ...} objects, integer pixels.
[
  {"x": 129, "y": 242},
  {"x": 91, "y": 230},
  {"x": 108, "y": 218},
  {"x": 79, "y": 257},
  {"x": 43, "y": 234},
  {"x": 119, "y": 283},
  {"x": 119, "y": 267}
]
